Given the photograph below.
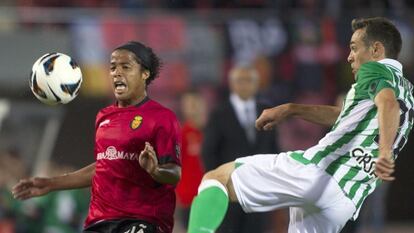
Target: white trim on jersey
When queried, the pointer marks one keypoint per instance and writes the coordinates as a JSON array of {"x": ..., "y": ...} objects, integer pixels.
[{"x": 212, "y": 183}]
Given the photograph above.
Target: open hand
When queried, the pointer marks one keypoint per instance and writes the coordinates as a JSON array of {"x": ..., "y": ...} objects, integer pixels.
[
  {"x": 32, "y": 187},
  {"x": 148, "y": 159}
]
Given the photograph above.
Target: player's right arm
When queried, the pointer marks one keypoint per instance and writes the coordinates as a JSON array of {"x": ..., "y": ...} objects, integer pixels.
[
  {"x": 319, "y": 114},
  {"x": 39, "y": 186}
]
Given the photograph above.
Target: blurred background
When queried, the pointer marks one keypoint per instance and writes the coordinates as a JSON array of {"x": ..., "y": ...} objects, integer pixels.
[{"x": 299, "y": 48}]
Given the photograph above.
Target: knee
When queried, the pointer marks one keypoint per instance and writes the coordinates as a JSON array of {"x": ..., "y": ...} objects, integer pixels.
[
  {"x": 215, "y": 174},
  {"x": 221, "y": 173}
]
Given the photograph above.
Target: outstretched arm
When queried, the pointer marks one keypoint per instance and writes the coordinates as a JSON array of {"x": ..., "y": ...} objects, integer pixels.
[
  {"x": 39, "y": 186},
  {"x": 319, "y": 114},
  {"x": 388, "y": 120}
]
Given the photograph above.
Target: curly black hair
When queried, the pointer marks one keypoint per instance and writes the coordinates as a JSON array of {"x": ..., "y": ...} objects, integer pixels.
[{"x": 145, "y": 56}]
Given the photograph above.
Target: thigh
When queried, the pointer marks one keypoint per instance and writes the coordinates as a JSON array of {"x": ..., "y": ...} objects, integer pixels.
[
  {"x": 311, "y": 219},
  {"x": 268, "y": 181},
  {"x": 221, "y": 174}
]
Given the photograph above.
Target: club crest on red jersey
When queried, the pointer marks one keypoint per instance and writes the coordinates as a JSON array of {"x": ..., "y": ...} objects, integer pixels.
[{"x": 136, "y": 122}]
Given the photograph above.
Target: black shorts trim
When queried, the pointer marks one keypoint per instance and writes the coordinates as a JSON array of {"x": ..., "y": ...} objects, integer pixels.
[{"x": 121, "y": 226}]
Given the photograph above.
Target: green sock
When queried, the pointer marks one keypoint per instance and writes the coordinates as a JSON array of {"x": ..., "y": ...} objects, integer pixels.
[{"x": 208, "y": 208}]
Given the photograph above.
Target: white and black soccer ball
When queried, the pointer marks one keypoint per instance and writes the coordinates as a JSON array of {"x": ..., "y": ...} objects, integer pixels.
[{"x": 55, "y": 78}]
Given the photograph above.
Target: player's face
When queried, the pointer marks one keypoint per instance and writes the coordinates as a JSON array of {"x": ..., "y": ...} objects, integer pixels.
[
  {"x": 360, "y": 53},
  {"x": 244, "y": 83},
  {"x": 128, "y": 78}
]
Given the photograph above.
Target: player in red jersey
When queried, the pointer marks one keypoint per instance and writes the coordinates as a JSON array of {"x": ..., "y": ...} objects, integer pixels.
[{"x": 137, "y": 147}]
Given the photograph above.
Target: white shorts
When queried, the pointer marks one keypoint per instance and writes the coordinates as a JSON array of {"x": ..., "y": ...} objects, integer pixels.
[{"x": 267, "y": 182}]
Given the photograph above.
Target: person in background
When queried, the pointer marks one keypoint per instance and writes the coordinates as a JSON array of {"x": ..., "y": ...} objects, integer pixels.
[
  {"x": 194, "y": 110},
  {"x": 230, "y": 132}
]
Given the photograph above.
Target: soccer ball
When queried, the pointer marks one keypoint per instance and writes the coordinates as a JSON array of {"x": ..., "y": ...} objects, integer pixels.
[{"x": 55, "y": 78}]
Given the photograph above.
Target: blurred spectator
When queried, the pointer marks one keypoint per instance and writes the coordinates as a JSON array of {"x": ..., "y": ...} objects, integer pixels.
[
  {"x": 11, "y": 169},
  {"x": 62, "y": 212},
  {"x": 193, "y": 109},
  {"x": 12, "y": 213},
  {"x": 276, "y": 81},
  {"x": 65, "y": 211},
  {"x": 251, "y": 38},
  {"x": 230, "y": 133},
  {"x": 297, "y": 133},
  {"x": 306, "y": 53}
]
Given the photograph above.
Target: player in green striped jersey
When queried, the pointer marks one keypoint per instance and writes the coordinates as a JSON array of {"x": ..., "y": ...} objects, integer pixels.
[{"x": 325, "y": 185}]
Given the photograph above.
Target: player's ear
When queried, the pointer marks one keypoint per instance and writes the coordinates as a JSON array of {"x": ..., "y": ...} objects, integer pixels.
[
  {"x": 378, "y": 50},
  {"x": 145, "y": 74}
]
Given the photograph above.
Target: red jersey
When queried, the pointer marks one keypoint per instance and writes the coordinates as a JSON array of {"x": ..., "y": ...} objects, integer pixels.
[
  {"x": 120, "y": 187},
  {"x": 192, "y": 166}
]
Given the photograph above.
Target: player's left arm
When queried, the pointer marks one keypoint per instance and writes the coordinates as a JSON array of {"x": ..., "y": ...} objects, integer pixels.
[
  {"x": 161, "y": 158},
  {"x": 388, "y": 120},
  {"x": 168, "y": 173}
]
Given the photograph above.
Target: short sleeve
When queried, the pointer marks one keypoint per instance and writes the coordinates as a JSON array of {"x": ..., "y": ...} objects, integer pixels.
[
  {"x": 372, "y": 77},
  {"x": 376, "y": 86},
  {"x": 168, "y": 140}
]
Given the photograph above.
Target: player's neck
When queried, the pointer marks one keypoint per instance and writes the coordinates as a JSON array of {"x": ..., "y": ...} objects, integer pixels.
[{"x": 131, "y": 102}]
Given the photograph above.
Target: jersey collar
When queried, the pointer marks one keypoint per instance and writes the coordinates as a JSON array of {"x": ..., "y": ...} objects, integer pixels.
[
  {"x": 391, "y": 62},
  {"x": 142, "y": 101},
  {"x": 146, "y": 98}
]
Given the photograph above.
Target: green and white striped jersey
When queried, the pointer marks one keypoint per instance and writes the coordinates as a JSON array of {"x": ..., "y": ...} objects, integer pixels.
[{"x": 349, "y": 151}]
